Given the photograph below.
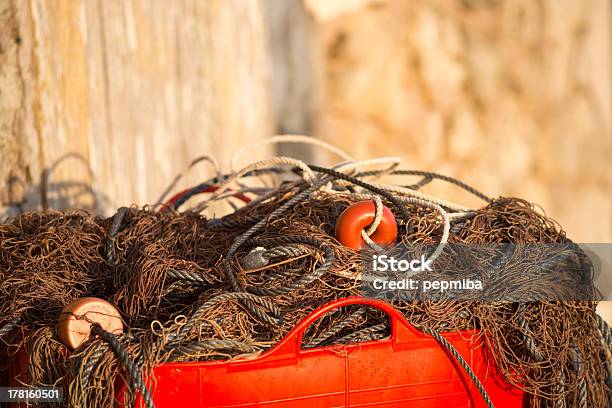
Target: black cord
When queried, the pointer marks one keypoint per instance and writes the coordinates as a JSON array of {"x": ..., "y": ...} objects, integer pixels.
[
  {"x": 111, "y": 257},
  {"x": 448, "y": 179},
  {"x": 305, "y": 279},
  {"x": 216, "y": 180},
  {"x": 427, "y": 177},
  {"x": 135, "y": 375},
  {"x": 354, "y": 180}
]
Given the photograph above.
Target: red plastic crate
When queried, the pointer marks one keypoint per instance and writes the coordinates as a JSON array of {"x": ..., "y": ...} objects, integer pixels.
[{"x": 407, "y": 369}]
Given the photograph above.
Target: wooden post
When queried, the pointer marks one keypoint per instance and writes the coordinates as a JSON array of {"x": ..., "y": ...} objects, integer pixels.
[{"x": 103, "y": 102}]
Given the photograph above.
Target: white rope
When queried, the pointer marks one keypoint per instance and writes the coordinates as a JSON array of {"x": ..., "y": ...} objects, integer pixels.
[
  {"x": 307, "y": 175},
  {"x": 441, "y": 244},
  {"x": 403, "y": 191},
  {"x": 462, "y": 214},
  {"x": 349, "y": 167},
  {"x": 445, "y": 220},
  {"x": 300, "y": 139},
  {"x": 365, "y": 234},
  {"x": 378, "y": 212}
]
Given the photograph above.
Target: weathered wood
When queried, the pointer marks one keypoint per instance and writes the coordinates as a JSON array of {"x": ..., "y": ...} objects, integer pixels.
[
  {"x": 111, "y": 99},
  {"x": 296, "y": 84},
  {"x": 293, "y": 52},
  {"x": 13, "y": 167}
]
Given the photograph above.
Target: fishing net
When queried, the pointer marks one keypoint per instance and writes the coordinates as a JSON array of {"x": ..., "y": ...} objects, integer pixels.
[{"x": 193, "y": 288}]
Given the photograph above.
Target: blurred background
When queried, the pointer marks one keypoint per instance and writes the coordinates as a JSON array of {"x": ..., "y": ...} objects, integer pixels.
[{"x": 104, "y": 102}]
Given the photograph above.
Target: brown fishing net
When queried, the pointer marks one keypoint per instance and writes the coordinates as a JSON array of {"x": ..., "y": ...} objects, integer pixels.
[{"x": 168, "y": 274}]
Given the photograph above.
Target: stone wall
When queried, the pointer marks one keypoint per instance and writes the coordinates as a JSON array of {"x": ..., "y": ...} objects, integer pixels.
[{"x": 511, "y": 96}]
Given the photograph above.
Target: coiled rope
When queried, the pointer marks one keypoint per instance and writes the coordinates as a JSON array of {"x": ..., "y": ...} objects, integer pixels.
[{"x": 304, "y": 280}]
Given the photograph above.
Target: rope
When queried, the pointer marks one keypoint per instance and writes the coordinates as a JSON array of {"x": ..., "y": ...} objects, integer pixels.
[
  {"x": 368, "y": 186},
  {"x": 363, "y": 334},
  {"x": 112, "y": 232},
  {"x": 122, "y": 354},
  {"x": 210, "y": 186},
  {"x": 397, "y": 202},
  {"x": 182, "y": 174},
  {"x": 282, "y": 251},
  {"x": 445, "y": 221},
  {"x": 205, "y": 346},
  {"x": 283, "y": 188},
  {"x": 410, "y": 200},
  {"x": 230, "y": 223},
  {"x": 529, "y": 342},
  {"x": 560, "y": 389},
  {"x": 301, "y": 139},
  {"x": 321, "y": 338},
  {"x": 349, "y": 167},
  {"x": 577, "y": 366},
  {"x": 307, "y": 173},
  {"x": 448, "y": 179},
  {"x": 605, "y": 331},
  {"x": 378, "y": 212},
  {"x": 396, "y": 189},
  {"x": 224, "y": 297},
  {"x": 606, "y": 339},
  {"x": 9, "y": 326},
  {"x": 91, "y": 363},
  {"x": 421, "y": 183},
  {"x": 286, "y": 274},
  {"x": 450, "y": 348},
  {"x": 427, "y": 178},
  {"x": 413, "y": 193},
  {"x": 304, "y": 280},
  {"x": 583, "y": 396},
  {"x": 190, "y": 277},
  {"x": 180, "y": 198},
  {"x": 240, "y": 240}
]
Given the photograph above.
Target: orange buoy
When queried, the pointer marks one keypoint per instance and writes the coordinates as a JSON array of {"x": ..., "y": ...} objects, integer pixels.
[
  {"x": 357, "y": 217},
  {"x": 74, "y": 325}
]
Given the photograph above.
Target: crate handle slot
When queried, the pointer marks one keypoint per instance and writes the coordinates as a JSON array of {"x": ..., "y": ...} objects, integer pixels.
[{"x": 401, "y": 331}]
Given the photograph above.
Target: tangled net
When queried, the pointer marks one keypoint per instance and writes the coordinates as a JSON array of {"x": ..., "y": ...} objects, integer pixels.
[{"x": 191, "y": 289}]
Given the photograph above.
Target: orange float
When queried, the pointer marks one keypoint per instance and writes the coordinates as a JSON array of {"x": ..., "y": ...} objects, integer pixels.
[
  {"x": 76, "y": 319},
  {"x": 359, "y": 216}
]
